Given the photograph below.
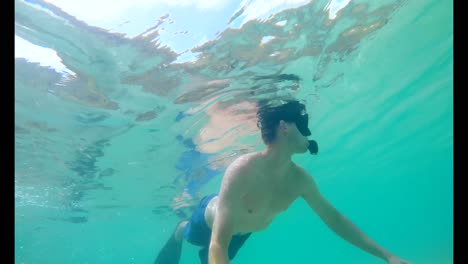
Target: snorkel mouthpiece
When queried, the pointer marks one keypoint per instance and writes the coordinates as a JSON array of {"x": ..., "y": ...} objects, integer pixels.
[{"x": 313, "y": 147}]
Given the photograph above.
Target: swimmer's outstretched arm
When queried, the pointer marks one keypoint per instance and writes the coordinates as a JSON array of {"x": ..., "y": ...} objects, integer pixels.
[{"x": 341, "y": 225}]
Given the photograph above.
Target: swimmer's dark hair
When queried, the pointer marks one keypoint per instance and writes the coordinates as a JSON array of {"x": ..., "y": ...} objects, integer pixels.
[{"x": 269, "y": 115}]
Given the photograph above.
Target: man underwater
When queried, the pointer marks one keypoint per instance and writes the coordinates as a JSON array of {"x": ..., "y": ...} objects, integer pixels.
[{"x": 258, "y": 186}]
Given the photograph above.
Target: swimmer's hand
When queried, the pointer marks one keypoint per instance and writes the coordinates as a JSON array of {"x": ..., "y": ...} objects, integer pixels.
[{"x": 397, "y": 260}]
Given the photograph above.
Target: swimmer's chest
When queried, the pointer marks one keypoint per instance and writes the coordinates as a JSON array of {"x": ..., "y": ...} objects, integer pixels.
[{"x": 269, "y": 198}]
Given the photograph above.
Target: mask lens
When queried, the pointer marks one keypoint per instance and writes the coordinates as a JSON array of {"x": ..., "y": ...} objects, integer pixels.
[{"x": 302, "y": 125}]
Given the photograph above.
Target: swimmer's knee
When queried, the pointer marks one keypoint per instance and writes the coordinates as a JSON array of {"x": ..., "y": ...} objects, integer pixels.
[{"x": 178, "y": 234}]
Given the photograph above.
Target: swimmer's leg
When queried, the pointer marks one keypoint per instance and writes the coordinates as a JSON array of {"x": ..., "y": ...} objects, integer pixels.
[
  {"x": 203, "y": 254},
  {"x": 170, "y": 253}
]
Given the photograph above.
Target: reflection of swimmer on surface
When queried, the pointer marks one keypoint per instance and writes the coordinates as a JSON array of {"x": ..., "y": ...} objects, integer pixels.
[
  {"x": 195, "y": 172},
  {"x": 227, "y": 123},
  {"x": 194, "y": 164}
]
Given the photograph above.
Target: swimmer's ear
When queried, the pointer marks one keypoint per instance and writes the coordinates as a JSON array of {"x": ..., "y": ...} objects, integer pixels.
[{"x": 283, "y": 126}]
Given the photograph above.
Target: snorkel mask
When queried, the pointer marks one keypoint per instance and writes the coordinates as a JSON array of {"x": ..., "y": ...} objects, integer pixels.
[{"x": 302, "y": 123}]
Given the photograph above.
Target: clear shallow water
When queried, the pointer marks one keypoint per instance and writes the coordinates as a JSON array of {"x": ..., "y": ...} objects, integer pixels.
[{"x": 112, "y": 153}]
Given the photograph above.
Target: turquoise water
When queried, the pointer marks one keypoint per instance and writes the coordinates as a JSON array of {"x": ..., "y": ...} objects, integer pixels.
[{"x": 110, "y": 158}]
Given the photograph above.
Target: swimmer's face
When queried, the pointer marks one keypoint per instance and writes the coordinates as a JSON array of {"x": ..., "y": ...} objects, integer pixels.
[
  {"x": 296, "y": 141},
  {"x": 301, "y": 142}
]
